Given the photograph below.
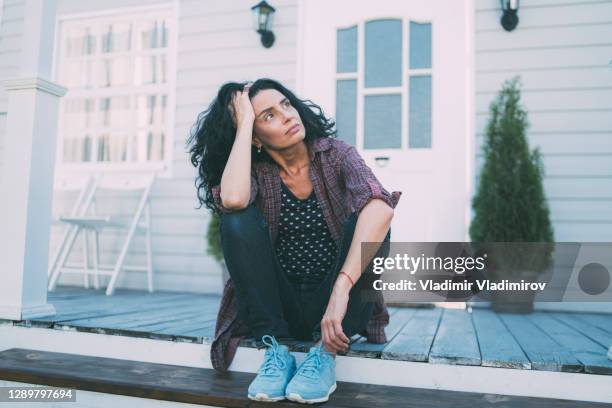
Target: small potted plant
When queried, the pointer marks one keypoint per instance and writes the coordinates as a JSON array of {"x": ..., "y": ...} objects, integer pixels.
[
  {"x": 510, "y": 206},
  {"x": 214, "y": 245}
]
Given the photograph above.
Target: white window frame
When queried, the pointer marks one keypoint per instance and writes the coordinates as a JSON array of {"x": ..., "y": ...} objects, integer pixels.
[
  {"x": 163, "y": 168},
  {"x": 401, "y": 90}
]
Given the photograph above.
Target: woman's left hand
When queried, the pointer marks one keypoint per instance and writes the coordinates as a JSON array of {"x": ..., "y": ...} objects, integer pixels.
[{"x": 331, "y": 325}]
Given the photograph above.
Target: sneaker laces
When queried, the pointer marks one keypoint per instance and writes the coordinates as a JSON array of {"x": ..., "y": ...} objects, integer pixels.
[
  {"x": 311, "y": 366},
  {"x": 273, "y": 360}
]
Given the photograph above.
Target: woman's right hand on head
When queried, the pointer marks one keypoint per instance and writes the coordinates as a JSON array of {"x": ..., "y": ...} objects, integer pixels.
[{"x": 242, "y": 107}]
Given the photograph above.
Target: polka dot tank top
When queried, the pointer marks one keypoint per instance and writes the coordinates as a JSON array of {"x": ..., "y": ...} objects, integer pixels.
[{"x": 304, "y": 246}]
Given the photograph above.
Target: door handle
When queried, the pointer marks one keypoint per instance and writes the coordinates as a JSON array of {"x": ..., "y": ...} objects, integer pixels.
[{"x": 381, "y": 161}]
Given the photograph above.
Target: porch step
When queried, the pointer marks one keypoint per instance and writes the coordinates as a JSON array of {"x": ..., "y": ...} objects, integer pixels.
[{"x": 210, "y": 387}]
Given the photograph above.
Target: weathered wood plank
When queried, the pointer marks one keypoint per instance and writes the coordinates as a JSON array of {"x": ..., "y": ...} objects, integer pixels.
[
  {"x": 65, "y": 292},
  {"x": 397, "y": 320},
  {"x": 592, "y": 355},
  {"x": 497, "y": 346},
  {"x": 91, "y": 307},
  {"x": 178, "y": 323},
  {"x": 357, "y": 338},
  {"x": 455, "y": 341},
  {"x": 596, "y": 334},
  {"x": 180, "y": 327},
  {"x": 123, "y": 318},
  {"x": 153, "y": 323},
  {"x": 167, "y": 317},
  {"x": 412, "y": 332},
  {"x": 135, "y": 313},
  {"x": 544, "y": 352},
  {"x": 210, "y": 387},
  {"x": 414, "y": 341},
  {"x": 603, "y": 321},
  {"x": 204, "y": 334}
]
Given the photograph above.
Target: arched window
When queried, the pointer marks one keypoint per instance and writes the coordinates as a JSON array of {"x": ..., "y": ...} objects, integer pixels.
[{"x": 383, "y": 99}]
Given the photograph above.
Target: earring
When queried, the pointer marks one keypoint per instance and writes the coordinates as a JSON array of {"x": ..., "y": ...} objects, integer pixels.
[{"x": 259, "y": 149}]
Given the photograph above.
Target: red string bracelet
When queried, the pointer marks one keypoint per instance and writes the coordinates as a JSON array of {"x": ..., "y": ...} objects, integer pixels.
[{"x": 349, "y": 278}]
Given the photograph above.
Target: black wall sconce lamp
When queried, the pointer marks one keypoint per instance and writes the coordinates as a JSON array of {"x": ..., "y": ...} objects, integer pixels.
[
  {"x": 510, "y": 18},
  {"x": 263, "y": 14}
]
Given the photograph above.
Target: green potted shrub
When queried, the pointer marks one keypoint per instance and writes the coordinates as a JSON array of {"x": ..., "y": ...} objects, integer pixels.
[
  {"x": 509, "y": 204},
  {"x": 214, "y": 244}
]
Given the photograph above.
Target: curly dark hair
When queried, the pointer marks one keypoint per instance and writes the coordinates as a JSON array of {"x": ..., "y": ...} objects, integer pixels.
[{"x": 212, "y": 136}]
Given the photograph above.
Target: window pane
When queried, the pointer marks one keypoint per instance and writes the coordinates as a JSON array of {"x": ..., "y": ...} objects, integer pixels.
[
  {"x": 383, "y": 53},
  {"x": 76, "y": 148},
  {"x": 116, "y": 117},
  {"x": 116, "y": 37},
  {"x": 78, "y": 117},
  {"x": 115, "y": 112},
  {"x": 164, "y": 34},
  {"x": 114, "y": 71},
  {"x": 150, "y": 69},
  {"x": 346, "y": 110},
  {"x": 80, "y": 41},
  {"x": 69, "y": 152},
  {"x": 149, "y": 36},
  {"x": 154, "y": 34},
  {"x": 420, "y": 111},
  {"x": 155, "y": 145},
  {"x": 78, "y": 114},
  {"x": 112, "y": 147},
  {"x": 162, "y": 68},
  {"x": 133, "y": 148},
  {"x": 146, "y": 110},
  {"x": 346, "y": 59},
  {"x": 121, "y": 125},
  {"x": 383, "y": 121},
  {"x": 151, "y": 110},
  {"x": 420, "y": 45},
  {"x": 78, "y": 73}
]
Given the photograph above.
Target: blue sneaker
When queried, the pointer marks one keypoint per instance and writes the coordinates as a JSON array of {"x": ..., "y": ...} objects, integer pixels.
[
  {"x": 315, "y": 378},
  {"x": 274, "y": 374}
]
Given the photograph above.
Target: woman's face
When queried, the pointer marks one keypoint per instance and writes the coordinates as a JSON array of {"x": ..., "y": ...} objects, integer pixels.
[{"x": 277, "y": 123}]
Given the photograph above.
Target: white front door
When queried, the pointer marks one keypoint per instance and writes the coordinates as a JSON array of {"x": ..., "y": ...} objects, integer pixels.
[{"x": 396, "y": 76}]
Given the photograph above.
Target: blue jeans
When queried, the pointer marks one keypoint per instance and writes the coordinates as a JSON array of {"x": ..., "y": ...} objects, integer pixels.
[{"x": 266, "y": 300}]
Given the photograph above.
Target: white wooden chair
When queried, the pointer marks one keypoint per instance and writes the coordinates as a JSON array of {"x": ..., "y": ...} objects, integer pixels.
[
  {"x": 88, "y": 221},
  {"x": 83, "y": 187}
]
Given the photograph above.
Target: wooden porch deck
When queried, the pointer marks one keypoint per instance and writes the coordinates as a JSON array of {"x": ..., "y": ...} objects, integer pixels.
[{"x": 549, "y": 341}]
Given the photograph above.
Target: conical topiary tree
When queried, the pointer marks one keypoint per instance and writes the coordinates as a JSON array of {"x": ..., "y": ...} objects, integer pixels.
[
  {"x": 509, "y": 204},
  {"x": 213, "y": 239}
]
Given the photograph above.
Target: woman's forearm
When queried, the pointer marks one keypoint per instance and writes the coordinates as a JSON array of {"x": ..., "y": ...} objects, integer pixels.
[
  {"x": 236, "y": 178},
  {"x": 372, "y": 226}
]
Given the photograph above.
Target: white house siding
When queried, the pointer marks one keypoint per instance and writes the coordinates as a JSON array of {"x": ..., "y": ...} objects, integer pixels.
[
  {"x": 11, "y": 22},
  {"x": 10, "y": 42},
  {"x": 216, "y": 44},
  {"x": 561, "y": 50},
  {"x": 2, "y": 133}
]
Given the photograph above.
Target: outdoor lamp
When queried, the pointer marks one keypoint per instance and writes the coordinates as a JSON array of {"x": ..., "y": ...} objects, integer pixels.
[
  {"x": 263, "y": 14},
  {"x": 510, "y": 18}
]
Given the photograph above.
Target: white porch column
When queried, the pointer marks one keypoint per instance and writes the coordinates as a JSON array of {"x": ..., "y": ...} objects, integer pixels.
[{"x": 26, "y": 185}]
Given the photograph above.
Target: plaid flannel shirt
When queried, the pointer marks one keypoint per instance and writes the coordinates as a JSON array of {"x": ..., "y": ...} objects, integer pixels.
[{"x": 343, "y": 183}]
